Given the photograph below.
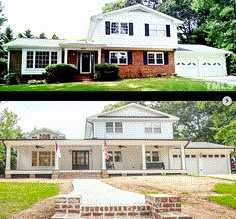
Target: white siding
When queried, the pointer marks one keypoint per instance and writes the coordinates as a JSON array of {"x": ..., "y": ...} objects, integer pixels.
[
  {"x": 138, "y": 18},
  {"x": 133, "y": 130},
  {"x": 37, "y": 71}
]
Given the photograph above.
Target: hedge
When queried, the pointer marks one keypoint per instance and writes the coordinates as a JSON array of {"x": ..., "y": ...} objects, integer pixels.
[{"x": 106, "y": 72}]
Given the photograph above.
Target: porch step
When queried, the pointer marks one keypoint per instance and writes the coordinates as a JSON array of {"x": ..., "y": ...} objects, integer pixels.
[
  {"x": 84, "y": 78},
  {"x": 173, "y": 215}
]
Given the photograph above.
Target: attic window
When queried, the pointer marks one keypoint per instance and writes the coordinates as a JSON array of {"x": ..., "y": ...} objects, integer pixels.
[
  {"x": 114, "y": 127},
  {"x": 115, "y": 28},
  {"x": 152, "y": 128},
  {"x": 44, "y": 136}
]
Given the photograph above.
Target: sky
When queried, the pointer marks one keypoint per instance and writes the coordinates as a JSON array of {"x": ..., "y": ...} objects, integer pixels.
[
  {"x": 67, "y": 117},
  {"x": 67, "y": 19}
]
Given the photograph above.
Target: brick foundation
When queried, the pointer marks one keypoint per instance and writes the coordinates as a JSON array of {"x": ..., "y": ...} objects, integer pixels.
[
  {"x": 8, "y": 176},
  {"x": 139, "y": 70}
]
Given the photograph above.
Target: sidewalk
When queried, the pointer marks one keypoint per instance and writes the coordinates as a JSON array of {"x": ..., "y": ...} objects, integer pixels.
[{"x": 95, "y": 192}]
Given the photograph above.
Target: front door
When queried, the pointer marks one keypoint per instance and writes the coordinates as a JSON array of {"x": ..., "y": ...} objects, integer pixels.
[
  {"x": 85, "y": 63},
  {"x": 80, "y": 160}
]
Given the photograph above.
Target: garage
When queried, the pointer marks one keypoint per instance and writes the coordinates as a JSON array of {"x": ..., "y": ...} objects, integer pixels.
[{"x": 200, "y": 61}]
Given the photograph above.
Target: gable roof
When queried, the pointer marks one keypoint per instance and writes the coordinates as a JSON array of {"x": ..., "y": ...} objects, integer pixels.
[
  {"x": 136, "y": 7},
  {"x": 201, "y": 48},
  {"x": 152, "y": 113},
  {"x": 207, "y": 145},
  {"x": 41, "y": 130}
]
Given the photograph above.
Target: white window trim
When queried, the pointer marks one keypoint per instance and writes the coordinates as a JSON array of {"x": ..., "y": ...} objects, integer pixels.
[
  {"x": 153, "y": 126},
  {"x": 157, "y": 27},
  {"x": 126, "y": 53},
  {"x": 155, "y": 53},
  {"x": 151, "y": 156},
  {"x": 34, "y": 58},
  {"x": 114, "y": 128},
  {"x": 119, "y": 28}
]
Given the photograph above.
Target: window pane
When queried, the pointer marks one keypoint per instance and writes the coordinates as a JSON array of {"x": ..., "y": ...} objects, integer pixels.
[
  {"x": 155, "y": 156},
  {"x": 53, "y": 57},
  {"x": 157, "y": 130},
  {"x": 123, "y": 58},
  {"x": 148, "y": 156},
  {"x": 118, "y": 157},
  {"x": 110, "y": 156},
  {"x": 151, "y": 58},
  {"x": 153, "y": 30},
  {"x": 44, "y": 158},
  {"x": 159, "y": 58},
  {"x": 41, "y": 59},
  {"x": 148, "y": 130},
  {"x": 124, "y": 28},
  {"x": 34, "y": 158},
  {"x": 30, "y": 59},
  {"x": 114, "y": 28},
  {"x": 109, "y": 127},
  {"x": 118, "y": 127},
  {"x": 114, "y": 58}
]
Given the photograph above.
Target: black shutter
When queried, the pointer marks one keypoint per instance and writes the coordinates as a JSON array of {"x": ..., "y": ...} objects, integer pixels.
[
  {"x": 166, "y": 58},
  {"x": 145, "y": 61},
  {"x": 106, "y": 56},
  {"x": 130, "y": 58},
  {"x": 146, "y": 29},
  {"x": 107, "y": 27},
  {"x": 168, "y": 30},
  {"x": 131, "y": 29}
]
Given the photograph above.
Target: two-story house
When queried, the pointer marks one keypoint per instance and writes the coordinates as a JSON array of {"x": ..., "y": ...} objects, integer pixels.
[
  {"x": 141, "y": 41},
  {"x": 132, "y": 139}
]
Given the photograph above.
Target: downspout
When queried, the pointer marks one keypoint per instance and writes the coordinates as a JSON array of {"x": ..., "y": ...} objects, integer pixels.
[
  {"x": 92, "y": 127},
  {"x": 187, "y": 143}
]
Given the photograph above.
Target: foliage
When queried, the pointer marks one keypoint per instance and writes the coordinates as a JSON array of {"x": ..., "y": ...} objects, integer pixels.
[
  {"x": 144, "y": 84},
  {"x": 60, "y": 73},
  {"x": 113, "y": 6},
  {"x": 106, "y": 72},
  {"x": 3, "y": 19},
  {"x": 26, "y": 34},
  {"x": 3, "y": 69},
  {"x": 115, "y": 105},
  {"x": 11, "y": 78},
  {"x": 149, "y": 3},
  {"x": 42, "y": 36},
  {"x": 7, "y": 36},
  {"x": 17, "y": 196},
  {"x": 228, "y": 199},
  {"x": 8, "y": 130},
  {"x": 55, "y": 37}
]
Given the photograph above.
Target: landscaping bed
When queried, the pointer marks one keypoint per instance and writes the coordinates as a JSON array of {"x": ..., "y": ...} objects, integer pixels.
[{"x": 194, "y": 192}]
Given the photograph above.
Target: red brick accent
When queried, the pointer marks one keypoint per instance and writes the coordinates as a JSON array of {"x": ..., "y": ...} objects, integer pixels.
[
  {"x": 137, "y": 69},
  {"x": 72, "y": 57}
]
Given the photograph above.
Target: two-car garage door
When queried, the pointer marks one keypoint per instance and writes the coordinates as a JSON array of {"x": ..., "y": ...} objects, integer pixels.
[{"x": 196, "y": 65}]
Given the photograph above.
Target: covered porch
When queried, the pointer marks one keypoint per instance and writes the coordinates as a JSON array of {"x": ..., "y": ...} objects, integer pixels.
[{"x": 98, "y": 158}]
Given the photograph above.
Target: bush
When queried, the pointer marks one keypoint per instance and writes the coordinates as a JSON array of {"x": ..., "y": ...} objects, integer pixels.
[
  {"x": 31, "y": 82},
  {"x": 3, "y": 69},
  {"x": 11, "y": 78},
  {"x": 60, "y": 73},
  {"x": 106, "y": 72}
]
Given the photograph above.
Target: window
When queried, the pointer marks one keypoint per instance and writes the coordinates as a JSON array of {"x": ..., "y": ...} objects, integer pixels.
[
  {"x": 110, "y": 153},
  {"x": 40, "y": 59},
  {"x": 30, "y": 59},
  {"x": 193, "y": 156},
  {"x": 112, "y": 127},
  {"x": 204, "y": 155},
  {"x": 118, "y": 58},
  {"x": 44, "y": 136},
  {"x": 222, "y": 155},
  {"x": 118, "y": 157},
  {"x": 43, "y": 158},
  {"x": 148, "y": 156},
  {"x": 187, "y": 156},
  {"x": 216, "y": 155},
  {"x": 124, "y": 28},
  {"x": 115, "y": 28},
  {"x": 175, "y": 156},
  {"x": 157, "y": 30},
  {"x": 152, "y": 128},
  {"x": 155, "y": 156},
  {"x": 155, "y": 58}
]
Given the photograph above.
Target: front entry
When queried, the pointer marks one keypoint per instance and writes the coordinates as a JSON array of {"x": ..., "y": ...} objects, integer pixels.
[
  {"x": 85, "y": 63},
  {"x": 80, "y": 160}
]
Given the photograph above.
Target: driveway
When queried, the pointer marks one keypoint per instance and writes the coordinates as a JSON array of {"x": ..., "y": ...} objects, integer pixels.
[
  {"x": 95, "y": 192},
  {"x": 226, "y": 176},
  {"x": 229, "y": 80}
]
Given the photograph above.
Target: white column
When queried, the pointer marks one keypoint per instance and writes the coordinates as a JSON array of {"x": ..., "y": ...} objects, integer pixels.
[
  {"x": 169, "y": 157},
  {"x": 8, "y": 61},
  {"x": 99, "y": 56},
  {"x": 66, "y": 56},
  {"x": 8, "y": 158},
  {"x": 182, "y": 154},
  {"x": 103, "y": 157},
  {"x": 144, "y": 157},
  {"x": 56, "y": 161}
]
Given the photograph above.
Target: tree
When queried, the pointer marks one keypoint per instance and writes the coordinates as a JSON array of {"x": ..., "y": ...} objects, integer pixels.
[
  {"x": 8, "y": 35},
  {"x": 42, "y": 36},
  {"x": 9, "y": 129},
  {"x": 113, "y": 6},
  {"x": 55, "y": 37},
  {"x": 26, "y": 34},
  {"x": 3, "y": 19},
  {"x": 149, "y": 3}
]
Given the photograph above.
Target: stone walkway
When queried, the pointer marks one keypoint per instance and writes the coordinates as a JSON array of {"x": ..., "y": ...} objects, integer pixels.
[{"x": 95, "y": 192}]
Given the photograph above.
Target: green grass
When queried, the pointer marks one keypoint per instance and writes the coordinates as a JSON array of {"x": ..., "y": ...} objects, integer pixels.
[
  {"x": 144, "y": 191},
  {"x": 15, "y": 197},
  {"x": 228, "y": 197},
  {"x": 145, "y": 84}
]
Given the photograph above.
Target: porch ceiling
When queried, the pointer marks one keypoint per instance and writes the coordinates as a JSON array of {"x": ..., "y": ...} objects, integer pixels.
[{"x": 96, "y": 142}]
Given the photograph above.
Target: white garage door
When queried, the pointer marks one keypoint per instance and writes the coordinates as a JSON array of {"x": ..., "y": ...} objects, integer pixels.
[
  {"x": 192, "y": 164},
  {"x": 215, "y": 164},
  {"x": 186, "y": 67},
  {"x": 212, "y": 67}
]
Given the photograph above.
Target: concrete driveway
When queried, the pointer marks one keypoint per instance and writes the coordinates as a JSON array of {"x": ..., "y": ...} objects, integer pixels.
[
  {"x": 95, "y": 192},
  {"x": 230, "y": 80},
  {"x": 226, "y": 176}
]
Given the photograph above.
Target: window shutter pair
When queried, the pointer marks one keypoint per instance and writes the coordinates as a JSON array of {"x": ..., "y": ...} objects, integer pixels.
[
  {"x": 166, "y": 58},
  {"x": 130, "y": 57},
  {"x": 108, "y": 28},
  {"x": 147, "y": 31}
]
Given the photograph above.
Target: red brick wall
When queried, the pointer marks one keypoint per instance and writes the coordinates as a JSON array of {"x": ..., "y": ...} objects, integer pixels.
[{"x": 137, "y": 69}]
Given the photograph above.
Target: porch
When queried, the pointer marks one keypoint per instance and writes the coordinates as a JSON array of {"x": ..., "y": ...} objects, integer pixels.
[{"x": 88, "y": 158}]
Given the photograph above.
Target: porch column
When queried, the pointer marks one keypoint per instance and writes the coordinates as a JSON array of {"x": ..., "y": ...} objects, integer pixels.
[
  {"x": 169, "y": 157},
  {"x": 8, "y": 61},
  {"x": 103, "y": 157},
  {"x": 8, "y": 158},
  {"x": 99, "y": 56},
  {"x": 66, "y": 56},
  {"x": 144, "y": 157},
  {"x": 182, "y": 153},
  {"x": 56, "y": 161}
]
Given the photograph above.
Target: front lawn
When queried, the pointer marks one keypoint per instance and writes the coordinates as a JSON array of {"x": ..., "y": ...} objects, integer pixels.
[
  {"x": 228, "y": 197},
  {"x": 16, "y": 196},
  {"x": 145, "y": 84}
]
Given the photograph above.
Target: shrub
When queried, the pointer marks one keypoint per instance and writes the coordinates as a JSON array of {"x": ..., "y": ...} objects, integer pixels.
[
  {"x": 60, "y": 73},
  {"x": 106, "y": 72},
  {"x": 11, "y": 78},
  {"x": 31, "y": 82},
  {"x": 3, "y": 69}
]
